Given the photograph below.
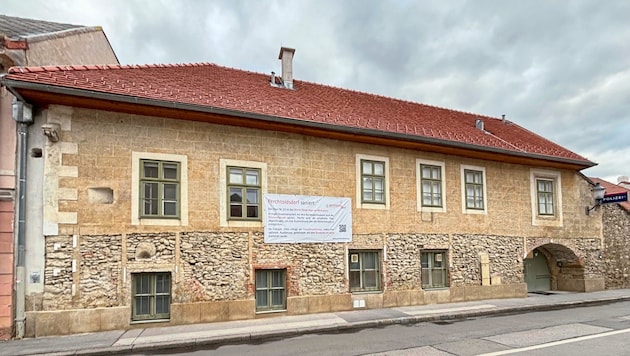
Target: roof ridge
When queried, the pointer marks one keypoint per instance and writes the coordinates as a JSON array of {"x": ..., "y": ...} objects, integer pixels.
[{"x": 81, "y": 67}]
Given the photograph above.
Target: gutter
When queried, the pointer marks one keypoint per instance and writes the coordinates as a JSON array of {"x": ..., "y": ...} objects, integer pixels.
[{"x": 11, "y": 84}]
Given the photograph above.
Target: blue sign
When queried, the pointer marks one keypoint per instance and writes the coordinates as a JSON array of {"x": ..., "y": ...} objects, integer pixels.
[{"x": 615, "y": 198}]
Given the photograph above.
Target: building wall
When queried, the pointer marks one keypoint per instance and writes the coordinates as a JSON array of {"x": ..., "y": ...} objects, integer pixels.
[
  {"x": 617, "y": 246},
  {"x": 86, "y": 46},
  {"x": 212, "y": 264}
]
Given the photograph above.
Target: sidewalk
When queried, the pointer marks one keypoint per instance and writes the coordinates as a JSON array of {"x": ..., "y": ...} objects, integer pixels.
[{"x": 159, "y": 338}]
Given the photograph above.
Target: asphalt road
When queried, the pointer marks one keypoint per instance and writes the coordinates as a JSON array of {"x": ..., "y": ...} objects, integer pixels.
[{"x": 598, "y": 330}]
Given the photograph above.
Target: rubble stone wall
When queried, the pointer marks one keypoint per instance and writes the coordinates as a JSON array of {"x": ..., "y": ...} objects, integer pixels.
[{"x": 616, "y": 259}]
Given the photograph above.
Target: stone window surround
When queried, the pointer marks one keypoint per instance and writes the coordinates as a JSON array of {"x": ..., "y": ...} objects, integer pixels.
[
  {"x": 432, "y": 209},
  {"x": 285, "y": 288},
  {"x": 136, "y": 157},
  {"x": 380, "y": 253},
  {"x": 466, "y": 210},
  {"x": 359, "y": 180},
  {"x": 556, "y": 178},
  {"x": 223, "y": 198},
  {"x": 132, "y": 293}
]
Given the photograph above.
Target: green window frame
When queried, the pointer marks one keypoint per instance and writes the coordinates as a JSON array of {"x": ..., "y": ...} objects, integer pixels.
[
  {"x": 545, "y": 194},
  {"x": 160, "y": 184},
  {"x": 151, "y": 296},
  {"x": 434, "y": 269},
  {"x": 271, "y": 290},
  {"x": 431, "y": 185},
  {"x": 373, "y": 182},
  {"x": 364, "y": 271},
  {"x": 244, "y": 193},
  {"x": 474, "y": 189}
]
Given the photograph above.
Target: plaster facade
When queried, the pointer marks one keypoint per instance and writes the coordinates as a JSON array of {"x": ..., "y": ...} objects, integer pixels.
[{"x": 93, "y": 243}]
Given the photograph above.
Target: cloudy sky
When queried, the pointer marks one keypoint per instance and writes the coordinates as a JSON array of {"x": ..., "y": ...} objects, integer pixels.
[{"x": 558, "y": 68}]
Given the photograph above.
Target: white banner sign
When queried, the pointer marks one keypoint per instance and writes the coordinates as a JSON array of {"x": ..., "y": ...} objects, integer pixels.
[{"x": 299, "y": 218}]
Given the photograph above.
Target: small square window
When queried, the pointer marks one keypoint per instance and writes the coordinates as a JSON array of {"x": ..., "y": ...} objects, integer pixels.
[
  {"x": 434, "y": 269},
  {"x": 151, "y": 296},
  {"x": 271, "y": 293},
  {"x": 364, "y": 271}
]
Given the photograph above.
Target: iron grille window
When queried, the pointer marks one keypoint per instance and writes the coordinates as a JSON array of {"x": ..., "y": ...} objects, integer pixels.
[
  {"x": 151, "y": 295},
  {"x": 271, "y": 291},
  {"x": 364, "y": 271},
  {"x": 433, "y": 265}
]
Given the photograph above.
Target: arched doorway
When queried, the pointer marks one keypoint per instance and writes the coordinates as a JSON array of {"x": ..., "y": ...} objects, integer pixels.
[
  {"x": 553, "y": 266},
  {"x": 537, "y": 275}
]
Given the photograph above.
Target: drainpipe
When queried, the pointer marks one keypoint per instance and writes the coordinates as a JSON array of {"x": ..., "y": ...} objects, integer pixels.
[{"x": 23, "y": 115}]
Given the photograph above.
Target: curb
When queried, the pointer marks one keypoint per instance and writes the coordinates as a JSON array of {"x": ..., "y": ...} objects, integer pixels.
[{"x": 200, "y": 343}]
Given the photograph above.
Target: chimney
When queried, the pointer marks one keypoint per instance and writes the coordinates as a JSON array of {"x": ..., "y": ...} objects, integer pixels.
[{"x": 286, "y": 56}]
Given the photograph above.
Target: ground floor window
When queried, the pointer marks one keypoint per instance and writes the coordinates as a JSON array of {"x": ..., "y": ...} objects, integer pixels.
[
  {"x": 434, "y": 269},
  {"x": 364, "y": 271},
  {"x": 151, "y": 295},
  {"x": 271, "y": 291}
]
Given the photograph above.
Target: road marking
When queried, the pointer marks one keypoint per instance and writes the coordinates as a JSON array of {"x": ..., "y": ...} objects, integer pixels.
[{"x": 556, "y": 343}]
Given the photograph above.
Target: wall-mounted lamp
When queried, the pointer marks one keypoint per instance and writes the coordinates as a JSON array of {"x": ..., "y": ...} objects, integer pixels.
[
  {"x": 51, "y": 131},
  {"x": 598, "y": 194}
]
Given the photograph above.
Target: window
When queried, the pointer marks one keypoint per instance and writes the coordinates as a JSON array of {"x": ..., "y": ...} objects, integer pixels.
[
  {"x": 544, "y": 189},
  {"x": 364, "y": 271},
  {"x": 433, "y": 269},
  {"x": 159, "y": 187},
  {"x": 151, "y": 295},
  {"x": 372, "y": 182},
  {"x": 244, "y": 193},
  {"x": 473, "y": 190},
  {"x": 431, "y": 183},
  {"x": 271, "y": 291},
  {"x": 546, "y": 197},
  {"x": 243, "y": 184}
]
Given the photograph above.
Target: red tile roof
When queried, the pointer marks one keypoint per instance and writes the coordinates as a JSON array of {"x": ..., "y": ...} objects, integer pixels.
[
  {"x": 213, "y": 86},
  {"x": 613, "y": 189}
]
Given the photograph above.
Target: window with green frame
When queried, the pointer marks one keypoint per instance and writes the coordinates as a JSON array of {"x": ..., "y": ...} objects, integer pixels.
[
  {"x": 271, "y": 291},
  {"x": 151, "y": 296},
  {"x": 431, "y": 185},
  {"x": 373, "y": 181},
  {"x": 544, "y": 189},
  {"x": 433, "y": 264},
  {"x": 160, "y": 189},
  {"x": 364, "y": 271},
  {"x": 474, "y": 189},
  {"x": 244, "y": 190}
]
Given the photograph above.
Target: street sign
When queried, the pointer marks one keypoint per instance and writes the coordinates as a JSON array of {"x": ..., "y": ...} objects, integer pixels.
[{"x": 615, "y": 198}]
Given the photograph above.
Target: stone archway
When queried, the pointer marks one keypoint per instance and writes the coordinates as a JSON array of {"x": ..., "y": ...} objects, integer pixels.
[{"x": 565, "y": 268}]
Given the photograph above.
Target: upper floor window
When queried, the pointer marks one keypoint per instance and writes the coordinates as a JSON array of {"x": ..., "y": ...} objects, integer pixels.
[
  {"x": 244, "y": 193},
  {"x": 243, "y": 184},
  {"x": 372, "y": 182},
  {"x": 160, "y": 182},
  {"x": 474, "y": 189},
  {"x": 159, "y": 189},
  {"x": 545, "y": 197}
]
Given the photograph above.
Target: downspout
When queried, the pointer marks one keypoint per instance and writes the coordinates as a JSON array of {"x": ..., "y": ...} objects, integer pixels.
[{"x": 22, "y": 114}]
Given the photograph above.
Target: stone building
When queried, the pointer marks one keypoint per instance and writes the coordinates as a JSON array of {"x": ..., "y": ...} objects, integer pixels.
[
  {"x": 36, "y": 43},
  {"x": 195, "y": 193},
  {"x": 616, "y": 231}
]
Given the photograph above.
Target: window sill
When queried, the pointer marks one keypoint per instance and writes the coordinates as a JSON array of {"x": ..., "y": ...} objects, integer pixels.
[
  {"x": 367, "y": 292},
  {"x": 149, "y": 321},
  {"x": 430, "y": 289},
  {"x": 271, "y": 311}
]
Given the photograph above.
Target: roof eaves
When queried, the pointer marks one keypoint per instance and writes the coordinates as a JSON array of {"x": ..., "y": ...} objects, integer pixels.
[{"x": 283, "y": 120}]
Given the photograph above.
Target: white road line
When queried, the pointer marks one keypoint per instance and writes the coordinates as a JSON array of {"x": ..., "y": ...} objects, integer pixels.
[{"x": 555, "y": 343}]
